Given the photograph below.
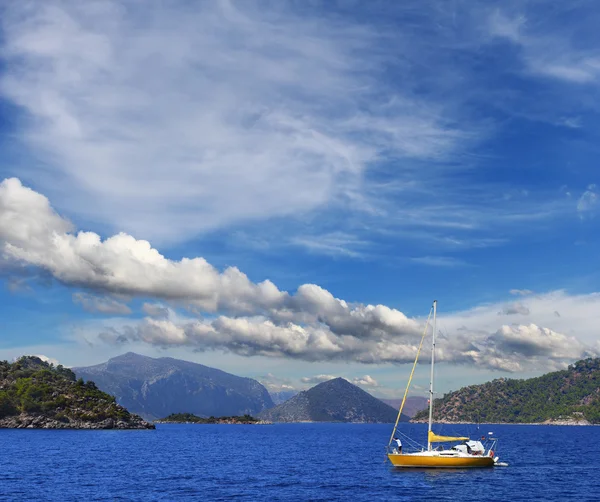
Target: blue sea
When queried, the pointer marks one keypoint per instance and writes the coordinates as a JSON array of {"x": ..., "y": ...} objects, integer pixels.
[{"x": 288, "y": 462}]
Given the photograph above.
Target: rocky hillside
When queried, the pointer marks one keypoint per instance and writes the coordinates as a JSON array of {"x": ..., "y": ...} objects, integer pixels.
[
  {"x": 155, "y": 388},
  {"x": 568, "y": 396},
  {"x": 35, "y": 394},
  {"x": 336, "y": 400}
]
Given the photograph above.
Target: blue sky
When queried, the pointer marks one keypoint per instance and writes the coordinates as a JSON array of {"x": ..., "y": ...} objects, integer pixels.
[{"x": 362, "y": 158}]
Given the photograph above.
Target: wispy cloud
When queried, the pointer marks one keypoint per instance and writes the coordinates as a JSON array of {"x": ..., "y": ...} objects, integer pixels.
[
  {"x": 515, "y": 308},
  {"x": 333, "y": 244},
  {"x": 234, "y": 112},
  {"x": 587, "y": 204},
  {"x": 520, "y": 292},
  {"x": 553, "y": 54},
  {"x": 101, "y": 304},
  {"x": 439, "y": 261},
  {"x": 228, "y": 112}
]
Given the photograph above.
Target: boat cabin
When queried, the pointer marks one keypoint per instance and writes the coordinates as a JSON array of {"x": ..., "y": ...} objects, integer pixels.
[{"x": 471, "y": 447}]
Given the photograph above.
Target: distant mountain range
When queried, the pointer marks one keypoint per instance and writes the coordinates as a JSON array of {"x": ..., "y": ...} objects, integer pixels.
[
  {"x": 412, "y": 406},
  {"x": 336, "y": 400},
  {"x": 571, "y": 395},
  {"x": 155, "y": 388},
  {"x": 282, "y": 396}
]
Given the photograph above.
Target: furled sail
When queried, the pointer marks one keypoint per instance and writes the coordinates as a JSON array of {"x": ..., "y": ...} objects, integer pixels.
[{"x": 434, "y": 438}]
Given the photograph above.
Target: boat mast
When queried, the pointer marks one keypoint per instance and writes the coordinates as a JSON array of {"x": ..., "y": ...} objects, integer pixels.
[{"x": 431, "y": 379}]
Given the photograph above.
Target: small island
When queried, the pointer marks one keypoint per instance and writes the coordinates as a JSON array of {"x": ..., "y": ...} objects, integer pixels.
[
  {"x": 38, "y": 395},
  {"x": 189, "y": 418}
]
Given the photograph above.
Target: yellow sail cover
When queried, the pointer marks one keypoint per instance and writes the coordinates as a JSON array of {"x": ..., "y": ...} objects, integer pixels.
[{"x": 434, "y": 438}]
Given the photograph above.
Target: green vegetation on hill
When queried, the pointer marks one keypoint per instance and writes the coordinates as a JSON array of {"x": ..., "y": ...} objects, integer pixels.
[
  {"x": 571, "y": 393},
  {"x": 190, "y": 418},
  {"x": 32, "y": 387}
]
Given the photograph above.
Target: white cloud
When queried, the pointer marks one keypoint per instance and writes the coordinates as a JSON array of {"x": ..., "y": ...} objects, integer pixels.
[
  {"x": 32, "y": 234},
  {"x": 261, "y": 320},
  {"x": 101, "y": 304},
  {"x": 317, "y": 379},
  {"x": 365, "y": 381},
  {"x": 123, "y": 265},
  {"x": 47, "y": 359},
  {"x": 227, "y": 111}
]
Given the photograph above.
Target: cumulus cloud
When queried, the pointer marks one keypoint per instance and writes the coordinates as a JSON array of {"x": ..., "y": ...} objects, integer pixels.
[
  {"x": 101, "y": 304},
  {"x": 33, "y": 234},
  {"x": 258, "y": 319},
  {"x": 552, "y": 342},
  {"x": 513, "y": 348},
  {"x": 124, "y": 265},
  {"x": 262, "y": 337},
  {"x": 365, "y": 381}
]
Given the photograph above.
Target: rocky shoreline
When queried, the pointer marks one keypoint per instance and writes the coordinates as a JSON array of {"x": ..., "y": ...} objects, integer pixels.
[
  {"x": 550, "y": 421},
  {"x": 218, "y": 422},
  {"x": 27, "y": 421}
]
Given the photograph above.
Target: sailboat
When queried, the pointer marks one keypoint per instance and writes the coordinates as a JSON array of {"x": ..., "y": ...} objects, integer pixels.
[{"x": 458, "y": 452}]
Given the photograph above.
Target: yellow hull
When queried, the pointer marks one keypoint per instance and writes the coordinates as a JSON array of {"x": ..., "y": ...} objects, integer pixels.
[{"x": 430, "y": 461}]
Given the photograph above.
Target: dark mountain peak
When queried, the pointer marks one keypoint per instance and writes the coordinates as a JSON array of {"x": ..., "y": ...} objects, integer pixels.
[
  {"x": 335, "y": 382},
  {"x": 336, "y": 400}
]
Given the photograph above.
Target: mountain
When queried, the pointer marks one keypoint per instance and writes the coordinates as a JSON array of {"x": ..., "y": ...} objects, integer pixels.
[
  {"x": 570, "y": 396},
  {"x": 282, "y": 396},
  {"x": 336, "y": 400},
  {"x": 412, "y": 406},
  {"x": 35, "y": 394},
  {"x": 155, "y": 388}
]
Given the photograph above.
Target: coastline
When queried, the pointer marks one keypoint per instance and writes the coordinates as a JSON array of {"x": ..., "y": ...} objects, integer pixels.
[
  {"x": 27, "y": 421},
  {"x": 221, "y": 422},
  {"x": 569, "y": 422}
]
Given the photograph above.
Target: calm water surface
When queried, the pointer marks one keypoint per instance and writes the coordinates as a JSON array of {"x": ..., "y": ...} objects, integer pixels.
[{"x": 288, "y": 462}]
